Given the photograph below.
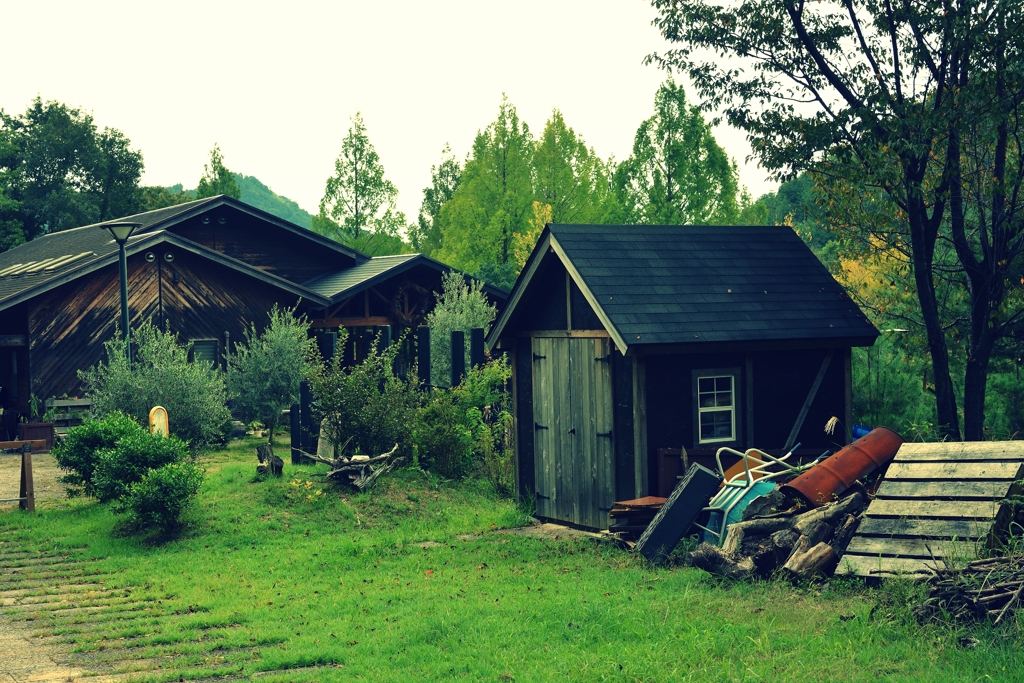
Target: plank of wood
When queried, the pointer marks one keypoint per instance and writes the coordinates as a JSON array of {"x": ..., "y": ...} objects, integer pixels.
[
  {"x": 913, "y": 547},
  {"x": 604, "y": 425},
  {"x": 678, "y": 513},
  {"x": 13, "y": 340},
  {"x": 37, "y": 445},
  {"x": 924, "y": 528},
  {"x": 953, "y": 509},
  {"x": 1008, "y": 470},
  {"x": 543, "y": 462},
  {"x": 961, "y": 450},
  {"x": 949, "y": 488},
  {"x": 880, "y": 567}
]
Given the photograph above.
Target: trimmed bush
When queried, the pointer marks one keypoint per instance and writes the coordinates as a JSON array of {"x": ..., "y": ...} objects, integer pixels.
[
  {"x": 161, "y": 497},
  {"x": 77, "y": 453},
  {"x": 131, "y": 459}
]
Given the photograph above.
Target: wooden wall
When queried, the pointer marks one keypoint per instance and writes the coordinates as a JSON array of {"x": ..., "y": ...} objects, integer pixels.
[
  {"x": 68, "y": 325},
  {"x": 261, "y": 244}
]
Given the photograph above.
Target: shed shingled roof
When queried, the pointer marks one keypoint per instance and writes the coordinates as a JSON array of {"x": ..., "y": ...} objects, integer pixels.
[{"x": 700, "y": 284}]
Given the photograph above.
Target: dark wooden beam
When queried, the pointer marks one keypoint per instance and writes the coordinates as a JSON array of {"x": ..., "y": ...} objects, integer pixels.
[
  {"x": 375, "y": 321},
  {"x": 13, "y": 340},
  {"x": 809, "y": 400}
]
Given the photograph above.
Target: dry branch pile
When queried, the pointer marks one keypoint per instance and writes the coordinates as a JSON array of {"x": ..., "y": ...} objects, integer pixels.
[
  {"x": 985, "y": 589},
  {"x": 359, "y": 471},
  {"x": 800, "y": 543}
]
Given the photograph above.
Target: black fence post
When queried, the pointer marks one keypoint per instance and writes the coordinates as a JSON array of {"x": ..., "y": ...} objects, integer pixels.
[
  {"x": 476, "y": 347},
  {"x": 305, "y": 412},
  {"x": 458, "y": 357},
  {"x": 423, "y": 354},
  {"x": 295, "y": 425}
]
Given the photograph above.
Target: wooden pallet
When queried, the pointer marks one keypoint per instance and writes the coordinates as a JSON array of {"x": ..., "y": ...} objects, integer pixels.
[{"x": 938, "y": 500}]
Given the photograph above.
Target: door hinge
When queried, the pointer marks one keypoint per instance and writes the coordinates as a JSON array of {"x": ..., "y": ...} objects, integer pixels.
[
  {"x": 537, "y": 425},
  {"x": 606, "y": 435},
  {"x": 541, "y": 495},
  {"x": 537, "y": 356},
  {"x": 604, "y": 359},
  {"x": 572, "y": 431}
]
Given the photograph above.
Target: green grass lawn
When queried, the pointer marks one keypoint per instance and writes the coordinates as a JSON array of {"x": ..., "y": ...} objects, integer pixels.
[{"x": 420, "y": 580}]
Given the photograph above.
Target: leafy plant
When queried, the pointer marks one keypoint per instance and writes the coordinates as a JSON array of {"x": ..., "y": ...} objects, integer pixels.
[
  {"x": 367, "y": 403},
  {"x": 161, "y": 373},
  {"x": 160, "y": 498},
  {"x": 460, "y": 306},
  {"x": 469, "y": 427},
  {"x": 77, "y": 452},
  {"x": 128, "y": 462},
  {"x": 265, "y": 370}
]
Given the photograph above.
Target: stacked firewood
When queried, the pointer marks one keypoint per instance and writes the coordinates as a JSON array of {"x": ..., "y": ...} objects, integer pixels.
[
  {"x": 802, "y": 543},
  {"x": 985, "y": 589}
]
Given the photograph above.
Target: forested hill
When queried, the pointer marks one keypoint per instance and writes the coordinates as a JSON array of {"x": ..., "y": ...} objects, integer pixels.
[{"x": 255, "y": 193}]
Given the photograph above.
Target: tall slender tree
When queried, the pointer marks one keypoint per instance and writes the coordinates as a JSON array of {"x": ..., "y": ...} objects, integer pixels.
[
  {"x": 569, "y": 176},
  {"x": 494, "y": 201},
  {"x": 358, "y": 199},
  {"x": 444, "y": 181},
  {"x": 677, "y": 173},
  {"x": 217, "y": 179}
]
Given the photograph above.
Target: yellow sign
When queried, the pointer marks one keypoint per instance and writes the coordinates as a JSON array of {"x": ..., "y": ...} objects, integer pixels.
[{"x": 158, "y": 421}]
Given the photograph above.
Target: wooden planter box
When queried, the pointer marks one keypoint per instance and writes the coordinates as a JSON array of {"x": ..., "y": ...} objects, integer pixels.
[{"x": 28, "y": 431}]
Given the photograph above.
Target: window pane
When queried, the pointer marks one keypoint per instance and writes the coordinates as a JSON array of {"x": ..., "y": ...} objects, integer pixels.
[
  {"x": 716, "y": 425},
  {"x": 705, "y": 385}
]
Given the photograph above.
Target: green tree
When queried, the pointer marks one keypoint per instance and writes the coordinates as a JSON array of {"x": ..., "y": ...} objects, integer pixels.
[
  {"x": 569, "y": 176},
  {"x": 58, "y": 171},
  {"x": 460, "y": 306},
  {"x": 217, "y": 179},
  {"x": 444, "y": 181},
  {"x": 908, "y": 114},
  {"x": 358, "y": 199},
  {"x": 677, "y": 172},
  {"x": 265, "y": 370},
  {"x": 156, "y": 197},
  {"x": 494, "y": 201}
]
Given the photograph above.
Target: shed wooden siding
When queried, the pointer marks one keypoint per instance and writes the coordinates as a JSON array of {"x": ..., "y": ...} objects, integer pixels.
[
  {"x": 68, "y": 325},
  {"x": 259, "y": 244}
]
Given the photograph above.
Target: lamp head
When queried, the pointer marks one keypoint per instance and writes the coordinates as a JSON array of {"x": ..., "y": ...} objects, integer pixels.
[{"x": 121, "y": 231}]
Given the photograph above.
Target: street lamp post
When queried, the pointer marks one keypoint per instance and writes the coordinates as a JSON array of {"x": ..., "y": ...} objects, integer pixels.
[{"x": 121, "y": 232}]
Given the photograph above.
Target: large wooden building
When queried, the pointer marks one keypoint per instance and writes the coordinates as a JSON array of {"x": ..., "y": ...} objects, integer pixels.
[
  {"x": 205, "y": 270},
  {"x": 634, "y": 344}
]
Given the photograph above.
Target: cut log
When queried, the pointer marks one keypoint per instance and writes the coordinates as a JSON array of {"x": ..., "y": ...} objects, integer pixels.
[
  {"x": 819, "y": 559},
  {"x": 841, "y": 539},
  {"x": 713, "y": 559},
  {"x": 752, "y": 529},
  {"x": 269, "y": 463},
  {"x": 852, "y": 504}
]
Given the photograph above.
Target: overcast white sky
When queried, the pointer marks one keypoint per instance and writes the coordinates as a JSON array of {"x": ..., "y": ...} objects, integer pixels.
[{"x": 275, "y": 83}]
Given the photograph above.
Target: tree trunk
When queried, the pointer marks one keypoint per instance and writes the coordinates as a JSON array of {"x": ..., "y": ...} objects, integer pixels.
[{"x": 922, "y": 238}]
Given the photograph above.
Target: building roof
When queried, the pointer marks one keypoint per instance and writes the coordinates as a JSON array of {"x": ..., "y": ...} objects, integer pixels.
[
  {"x": 660, "y": 285},
  {"x": 51, "y": 260},
  {"x": 345, "y": 283}
]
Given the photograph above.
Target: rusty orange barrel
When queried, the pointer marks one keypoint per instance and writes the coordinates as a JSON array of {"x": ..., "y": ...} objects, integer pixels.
[{"x": 837, "y": 473}]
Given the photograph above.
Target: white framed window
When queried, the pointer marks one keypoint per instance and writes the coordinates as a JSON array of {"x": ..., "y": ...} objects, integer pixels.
[{"x": 715, "y": 394}]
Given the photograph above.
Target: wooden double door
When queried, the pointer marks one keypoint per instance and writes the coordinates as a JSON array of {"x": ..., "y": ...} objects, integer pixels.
[{"x": 573, "y": 446}]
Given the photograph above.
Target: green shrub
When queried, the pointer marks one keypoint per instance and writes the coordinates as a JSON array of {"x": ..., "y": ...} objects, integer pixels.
[
  {"x": 470, "y": 428},
  {"x": 445, "y": 442},
  {"x": 192, "y": 391},
  {"x": 160, "y": 498},
  {"x": 367, "y": 403},
  {"x": 131, "y": 459},
  {"x": 77, "y": 453}
]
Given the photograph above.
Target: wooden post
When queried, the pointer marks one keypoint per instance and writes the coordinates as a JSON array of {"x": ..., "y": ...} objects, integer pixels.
[
  {"x": 27, "y": 491},
  {"x": 458, "y": 365},
  {"x": 306, "y": 423},
  {"x": 476, "y": 347},
  {"x": 423, "y": 354},
  {"x": 295, "y": 426},
  {"x": 384, "y": 334},
  {"x": 327, "y": 343}
]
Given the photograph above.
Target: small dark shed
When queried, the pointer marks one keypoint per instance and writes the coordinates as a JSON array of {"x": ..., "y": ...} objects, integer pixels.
[{"x": 633, "y": 346}]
